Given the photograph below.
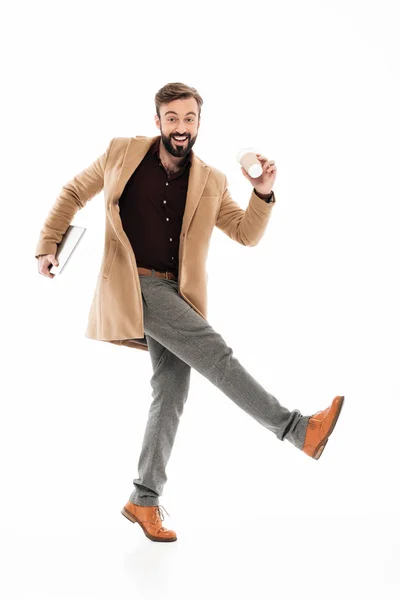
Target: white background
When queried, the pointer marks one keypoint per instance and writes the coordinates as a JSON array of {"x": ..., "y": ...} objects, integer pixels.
[{"x": 311, "y": 311}]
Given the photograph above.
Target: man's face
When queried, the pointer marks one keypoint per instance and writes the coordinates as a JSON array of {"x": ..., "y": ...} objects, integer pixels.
[{"x": 179, "y": 118}]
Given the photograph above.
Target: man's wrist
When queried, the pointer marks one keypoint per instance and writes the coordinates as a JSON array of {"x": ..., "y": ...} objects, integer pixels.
[{"x": 267, "y": 197}]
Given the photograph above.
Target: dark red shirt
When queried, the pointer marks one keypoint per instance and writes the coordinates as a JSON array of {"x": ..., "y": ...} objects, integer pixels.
[{"x": 152, "y": 205}]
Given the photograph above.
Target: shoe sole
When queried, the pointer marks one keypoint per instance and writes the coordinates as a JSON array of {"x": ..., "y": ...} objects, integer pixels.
[
  {"x": 133, "y": 519},
  {"x": 321, "y": 446}
]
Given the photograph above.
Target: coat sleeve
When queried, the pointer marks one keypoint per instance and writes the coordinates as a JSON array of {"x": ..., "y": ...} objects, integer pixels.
[
  {"x": 244, "y": 226},
  {"x": 73, "y": 196}
]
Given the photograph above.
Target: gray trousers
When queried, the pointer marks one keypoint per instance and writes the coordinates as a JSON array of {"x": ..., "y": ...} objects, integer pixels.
[{"x": 178, "y": 339}]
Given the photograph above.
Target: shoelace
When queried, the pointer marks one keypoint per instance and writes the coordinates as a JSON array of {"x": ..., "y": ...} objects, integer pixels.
[
  {"x": 158, "y": 514},
  {"x": 313, "y": 422}
]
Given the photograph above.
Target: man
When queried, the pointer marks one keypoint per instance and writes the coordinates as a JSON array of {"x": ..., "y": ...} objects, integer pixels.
[{"x": 162, "y": 203}]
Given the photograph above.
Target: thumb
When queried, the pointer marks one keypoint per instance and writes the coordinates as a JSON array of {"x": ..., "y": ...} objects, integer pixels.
[{"x": 54, "y": 260}]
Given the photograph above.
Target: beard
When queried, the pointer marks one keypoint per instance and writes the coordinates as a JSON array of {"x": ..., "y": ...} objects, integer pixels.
[{"x": 176, "y": 149}]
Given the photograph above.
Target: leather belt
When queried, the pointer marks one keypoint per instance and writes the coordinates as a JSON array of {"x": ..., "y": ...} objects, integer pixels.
[{"x": 164, "y": 274}]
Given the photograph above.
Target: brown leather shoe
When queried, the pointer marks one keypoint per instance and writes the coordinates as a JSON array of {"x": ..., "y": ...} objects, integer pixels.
[
  {"x": 320, "y": 426},
  {"x": 149, "y": 519}
]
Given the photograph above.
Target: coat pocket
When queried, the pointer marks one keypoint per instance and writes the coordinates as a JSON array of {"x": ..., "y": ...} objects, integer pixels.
[{"x": 110, "y": 259}]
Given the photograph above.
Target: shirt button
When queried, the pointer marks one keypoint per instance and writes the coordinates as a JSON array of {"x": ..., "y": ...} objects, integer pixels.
[
  {"x": 170, "y": 239},
  {"x": 164, "y": 201},
  {"x": 167, "y": 219},
  {"x": 166, "y": 183}
]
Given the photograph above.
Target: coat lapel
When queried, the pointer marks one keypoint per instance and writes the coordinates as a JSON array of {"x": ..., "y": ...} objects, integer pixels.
[{"x": 135, "y": 152}]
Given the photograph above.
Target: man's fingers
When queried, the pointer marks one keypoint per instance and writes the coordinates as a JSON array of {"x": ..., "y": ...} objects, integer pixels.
[
  {"x": 264, "y": 159},
  {"x": 46, "y": 264}
]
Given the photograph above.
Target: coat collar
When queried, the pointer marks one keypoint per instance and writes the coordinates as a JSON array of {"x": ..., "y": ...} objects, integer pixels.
[{"x": 136, "y": 150}]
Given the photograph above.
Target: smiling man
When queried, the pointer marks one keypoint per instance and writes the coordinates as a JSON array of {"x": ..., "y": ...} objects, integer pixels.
[
  {"x": 162, "y": 203},
  {"x": 178, "y": 132}
]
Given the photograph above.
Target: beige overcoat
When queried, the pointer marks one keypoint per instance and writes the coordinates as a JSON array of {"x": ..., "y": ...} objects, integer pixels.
[{"x": 116, "y": 313}]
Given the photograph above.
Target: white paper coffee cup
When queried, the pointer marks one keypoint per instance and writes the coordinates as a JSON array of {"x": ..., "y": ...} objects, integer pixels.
[{"x": 249, "y": 161}]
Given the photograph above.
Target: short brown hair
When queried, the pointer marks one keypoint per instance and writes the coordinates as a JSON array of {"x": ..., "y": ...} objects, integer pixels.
[{"x": 176, "y": 91}]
